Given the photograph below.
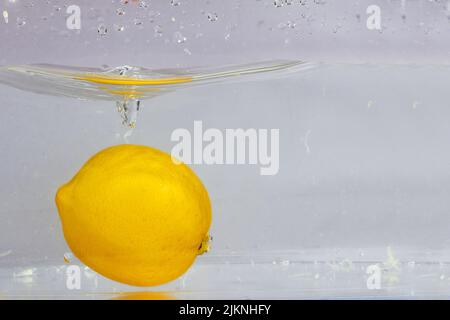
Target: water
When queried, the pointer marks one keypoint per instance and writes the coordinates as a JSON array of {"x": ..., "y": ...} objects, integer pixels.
[
  {"x": 363, "y": 178},
  {"x": 127, "y": 85}
]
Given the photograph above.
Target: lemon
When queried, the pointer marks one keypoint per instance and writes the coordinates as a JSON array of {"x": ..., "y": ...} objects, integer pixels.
[{"x": 135, "y": 216}]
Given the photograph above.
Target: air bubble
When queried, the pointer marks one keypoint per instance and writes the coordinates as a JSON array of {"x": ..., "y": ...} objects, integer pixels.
[
  {"x": 143, "y": 4},
  {"x": 278, "y": 3},
  {"x": 128, "y": 111},
  {"x": 152, "y": 14},
  {"x": 67, "y": 257},
  {"x": 120, "y": 12},
  {"x": 285, "y": 263},
  {"x": 288, "y": 24},
  {"x": 158, "y": 31},
  {"x": 102, "y": 30},
  {"x": 21, "y": 22},
  {"x": 178, "y": 37},
  {"x": 213, "y": 17}
]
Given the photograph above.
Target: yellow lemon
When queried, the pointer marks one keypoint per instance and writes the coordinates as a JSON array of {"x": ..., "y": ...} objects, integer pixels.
[{"x": 135, "y": 216}]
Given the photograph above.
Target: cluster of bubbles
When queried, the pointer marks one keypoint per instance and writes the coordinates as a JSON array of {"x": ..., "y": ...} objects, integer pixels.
[
  {"x": 177, "y": 37},
  {"x": 281, "y": 3},
  {"x": 285, "y": 25},
  {"x": 120, "y": 11},
  {"x": 180, "y": 36},
  {"x": 102, "y": 30},
  {"x": 212, "y": 17}
]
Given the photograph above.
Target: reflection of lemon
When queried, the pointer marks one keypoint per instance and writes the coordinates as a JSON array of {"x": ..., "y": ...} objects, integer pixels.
[
  {"x": 144, "y": 296},
  {"x": 134, "y": 216}
]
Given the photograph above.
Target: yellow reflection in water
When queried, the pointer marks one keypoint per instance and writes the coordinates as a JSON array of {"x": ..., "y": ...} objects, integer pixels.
[{"x": 144, "y": 295}]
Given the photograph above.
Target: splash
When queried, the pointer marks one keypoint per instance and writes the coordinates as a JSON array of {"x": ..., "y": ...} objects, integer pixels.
[{"x": 128, "y": 86}]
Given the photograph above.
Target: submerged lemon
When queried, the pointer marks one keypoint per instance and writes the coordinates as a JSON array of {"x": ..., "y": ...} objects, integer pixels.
[{"x": 135, "y": 216}]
